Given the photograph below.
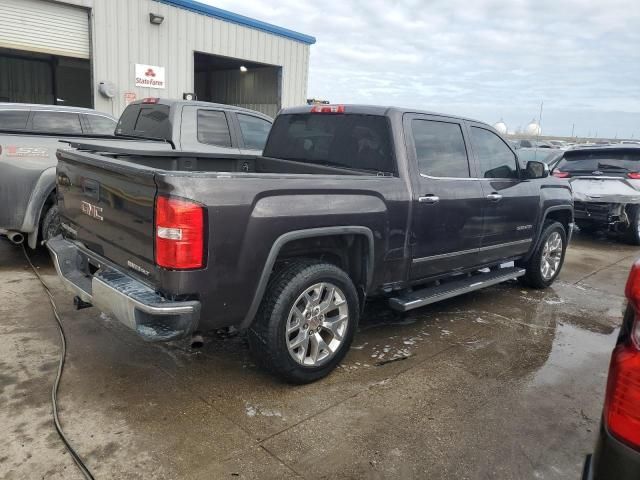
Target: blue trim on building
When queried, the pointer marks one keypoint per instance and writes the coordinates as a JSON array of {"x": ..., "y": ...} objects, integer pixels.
[{"x": 215, "y": 12}]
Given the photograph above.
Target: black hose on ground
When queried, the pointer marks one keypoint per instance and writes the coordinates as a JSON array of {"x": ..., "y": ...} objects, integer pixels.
[{"x": 54, "y": 391}]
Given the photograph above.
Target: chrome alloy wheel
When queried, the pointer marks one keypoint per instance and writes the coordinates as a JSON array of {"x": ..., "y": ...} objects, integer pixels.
[
  {"x": 317, "y": 324},
  {"x": 551, "y": 256}
]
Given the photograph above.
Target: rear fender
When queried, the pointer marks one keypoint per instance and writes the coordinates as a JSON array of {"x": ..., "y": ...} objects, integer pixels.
[{"x": 304, "y": 234}]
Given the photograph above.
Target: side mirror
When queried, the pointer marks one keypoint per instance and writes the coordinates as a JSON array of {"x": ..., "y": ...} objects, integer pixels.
[{"x": 536, "y": 170}]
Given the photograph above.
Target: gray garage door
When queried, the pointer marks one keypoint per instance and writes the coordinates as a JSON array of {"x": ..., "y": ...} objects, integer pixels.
[{"x": 44, "y": 27}]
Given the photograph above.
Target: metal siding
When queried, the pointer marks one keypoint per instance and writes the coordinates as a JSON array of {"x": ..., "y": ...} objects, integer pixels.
[
  {"x": 123, "y": 36},
  {"x": 46, "y": 27}
]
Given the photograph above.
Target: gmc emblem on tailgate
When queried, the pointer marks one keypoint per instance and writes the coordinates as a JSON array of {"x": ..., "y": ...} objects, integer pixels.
[{"x": 92, "y": 210}]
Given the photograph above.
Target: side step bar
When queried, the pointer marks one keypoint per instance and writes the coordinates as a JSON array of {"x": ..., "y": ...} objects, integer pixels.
[{"x": 426, "y": 296}]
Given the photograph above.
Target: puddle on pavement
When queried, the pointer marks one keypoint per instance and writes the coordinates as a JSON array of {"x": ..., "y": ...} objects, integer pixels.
[{"x": 572, "y": 350}]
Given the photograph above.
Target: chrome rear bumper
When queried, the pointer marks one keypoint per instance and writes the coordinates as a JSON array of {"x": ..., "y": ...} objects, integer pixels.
[{"x": 133, "y": 303}]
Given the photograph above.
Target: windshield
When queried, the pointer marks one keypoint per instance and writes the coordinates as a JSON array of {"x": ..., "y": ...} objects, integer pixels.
[
  {"x": 605, "y": 162},
  {"x": 360, "y": 142}
]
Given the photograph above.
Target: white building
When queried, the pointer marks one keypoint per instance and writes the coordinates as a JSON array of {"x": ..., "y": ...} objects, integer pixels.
[{"x": 106, "y": 53}]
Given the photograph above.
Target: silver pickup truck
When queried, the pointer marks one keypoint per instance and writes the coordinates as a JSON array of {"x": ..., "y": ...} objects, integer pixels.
[
  {"x": 29, "y": 138},
  {"x": 31, "y": 134}
]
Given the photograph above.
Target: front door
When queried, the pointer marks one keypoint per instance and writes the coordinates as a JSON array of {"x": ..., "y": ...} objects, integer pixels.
[
  {"x": 446, "y": 227},
  {"x": 511, "y": 203}
]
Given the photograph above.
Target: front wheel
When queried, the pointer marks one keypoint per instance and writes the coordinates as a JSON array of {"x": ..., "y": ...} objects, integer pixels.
[
  {"x": 306, "y": 322},
  {"x": 546, "y": 261}
]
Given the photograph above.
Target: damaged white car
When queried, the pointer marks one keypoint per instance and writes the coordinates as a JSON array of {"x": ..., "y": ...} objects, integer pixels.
[{"x": 606, "y": 188}]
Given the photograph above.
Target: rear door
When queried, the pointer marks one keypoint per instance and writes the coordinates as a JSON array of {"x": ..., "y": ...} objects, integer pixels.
[
  {"x": 448, "y": 201},
  {"x": 511, "y": 204},
  {"x": 206, "y": 129},
  {"x": 109, "y": 207}
]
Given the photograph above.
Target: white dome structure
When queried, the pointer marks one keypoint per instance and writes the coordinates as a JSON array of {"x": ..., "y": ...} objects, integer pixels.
[
  {"x": 501, "y": 127},
  {"x": 533, "y": 129}
]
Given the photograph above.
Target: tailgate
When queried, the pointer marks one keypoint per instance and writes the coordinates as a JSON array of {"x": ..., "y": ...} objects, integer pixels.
[
  {"x": 604, "y": 189},
  {"x": 109, "y": 207}
]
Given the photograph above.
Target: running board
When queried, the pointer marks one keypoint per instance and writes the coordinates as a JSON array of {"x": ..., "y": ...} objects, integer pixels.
[{"x": 429, "y": 295}]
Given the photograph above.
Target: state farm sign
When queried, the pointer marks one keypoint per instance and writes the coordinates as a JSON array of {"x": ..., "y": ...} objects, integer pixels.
[{"x": 149, "y": 76}]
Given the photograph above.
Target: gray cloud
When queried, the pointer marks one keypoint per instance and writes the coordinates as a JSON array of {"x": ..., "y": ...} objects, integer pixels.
[{"x": 486, "y": 59}]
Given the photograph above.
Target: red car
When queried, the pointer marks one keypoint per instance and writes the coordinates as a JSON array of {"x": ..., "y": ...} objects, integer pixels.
[{"x": 617, "y": 453}]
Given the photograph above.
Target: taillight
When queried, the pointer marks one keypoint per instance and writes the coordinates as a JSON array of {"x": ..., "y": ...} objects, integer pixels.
[
  {"x": 179, "y": 234},
  {"x": 634, "y": 175},
  {"x": 150, "y": 100},
  {"x": 561, "y": 174},
  {"x": 622, "y": 405},
  {"x": 327, "y": 109}
]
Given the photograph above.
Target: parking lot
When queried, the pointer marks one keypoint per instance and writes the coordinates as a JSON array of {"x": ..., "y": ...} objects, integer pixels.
[{"x": 501, "y": 383}]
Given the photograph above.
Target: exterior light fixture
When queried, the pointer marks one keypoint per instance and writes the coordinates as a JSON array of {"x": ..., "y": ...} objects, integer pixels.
[
  {"x": 156, "y": 19},
  {"x": 243, "y": 68}
]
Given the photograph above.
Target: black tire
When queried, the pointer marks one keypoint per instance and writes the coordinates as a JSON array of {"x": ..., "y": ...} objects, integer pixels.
[
  {"x": 267, "y": 338},
  {"x": 533, "y": 277},
  {"x": 632, "y": 235},
  {"x": 50, "y": 224}
]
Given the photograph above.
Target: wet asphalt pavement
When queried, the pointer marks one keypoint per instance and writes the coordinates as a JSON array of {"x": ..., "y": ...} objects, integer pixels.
[{"x": 505, "y": 383}]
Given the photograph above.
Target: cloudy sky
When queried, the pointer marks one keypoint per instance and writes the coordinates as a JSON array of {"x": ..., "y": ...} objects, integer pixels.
[{"x": 484, "y": 59}]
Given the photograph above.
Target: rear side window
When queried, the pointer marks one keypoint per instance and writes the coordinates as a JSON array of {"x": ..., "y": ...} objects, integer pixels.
[
  {"x": 496, "y": 159},
  {"x": 354, "y": 141},
  {"x": 56, "y": 122},
  {"x": 440, "y": 149},
  {"x": 213, "y": 128},
  {"x": 254, "y": 131},
  {"x": 13, "y": 119},
  {"x": 101, "y": 125}
]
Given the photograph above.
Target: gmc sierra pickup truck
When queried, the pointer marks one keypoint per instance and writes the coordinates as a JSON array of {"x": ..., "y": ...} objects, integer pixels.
[
  {"x": 30, "y": 135},
  {"x": 346, "y": 202}
]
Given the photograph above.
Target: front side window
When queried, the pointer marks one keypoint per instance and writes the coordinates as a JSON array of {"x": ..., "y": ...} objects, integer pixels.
[
  {"x": 496, "y": 159},
  {"x": 254, "y": 131},
  {"x": 213, "y": 128},
  {"x": 440, "y": 149},
  {"x": 57, "y": 122}
]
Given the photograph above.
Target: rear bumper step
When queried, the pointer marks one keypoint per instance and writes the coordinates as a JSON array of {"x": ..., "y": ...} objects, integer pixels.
[
  {"x": 130, "y": 301},
  {"x": 429, "y": 295}
]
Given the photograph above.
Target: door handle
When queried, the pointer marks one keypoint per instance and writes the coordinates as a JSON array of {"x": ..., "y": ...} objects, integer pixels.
[
  {"x": 429, "y": 199},
  {"x": 494, "y": 197}
]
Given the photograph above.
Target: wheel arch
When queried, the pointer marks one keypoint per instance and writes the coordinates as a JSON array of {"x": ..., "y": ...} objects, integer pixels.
[
  {"x": 283, "y": 244},
  {"x": 563, "y": 214},
  {"x": 43, "y": 193}
]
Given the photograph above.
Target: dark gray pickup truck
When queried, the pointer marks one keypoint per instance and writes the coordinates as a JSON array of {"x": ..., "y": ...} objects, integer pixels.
[{"x": 346, "y": 202}]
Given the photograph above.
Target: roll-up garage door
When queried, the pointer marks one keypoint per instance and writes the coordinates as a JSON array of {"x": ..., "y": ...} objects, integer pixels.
[{"x": 45, "y": 27}]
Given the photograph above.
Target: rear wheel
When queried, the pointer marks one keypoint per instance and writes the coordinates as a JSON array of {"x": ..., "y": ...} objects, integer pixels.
[
  {"x": 546, "y": 262},
  {"x": 632, "y": 235},
  {"x": 50, "y": 223},
  {"x": 306, "y": 322}
]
